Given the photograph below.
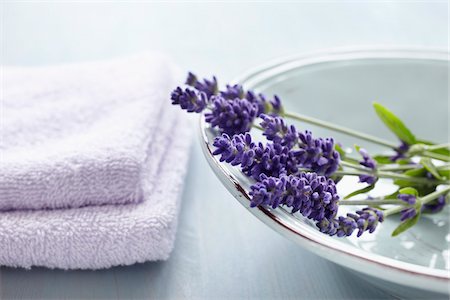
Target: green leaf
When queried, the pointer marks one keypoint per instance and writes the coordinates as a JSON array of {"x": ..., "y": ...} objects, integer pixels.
[
  {"x": 394, "y": 124},
  {"x": 430, "y": 167},
  {"x": 360, "y": 191},
  {"x": 418, "y": 172},
  {"x": 405, "y": 225},
  {"x": 409, "y": 191},
  {"x": 383, "y": 159},
  {"x": 414, "y": 173}
]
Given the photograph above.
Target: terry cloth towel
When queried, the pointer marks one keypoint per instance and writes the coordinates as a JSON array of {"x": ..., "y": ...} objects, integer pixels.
[
  {"x": 81, "y": 134},
  {"x": 101, "y": 236}
]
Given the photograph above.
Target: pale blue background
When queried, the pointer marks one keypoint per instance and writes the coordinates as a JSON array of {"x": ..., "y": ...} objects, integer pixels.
[{"x": 221, "y": 250}]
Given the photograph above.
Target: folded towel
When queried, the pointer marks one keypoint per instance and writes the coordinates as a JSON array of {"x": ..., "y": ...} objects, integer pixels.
[
  {"x": 102, "y": 236},
  {"x": 94, "y": 237},
  {"x": 81, "y": 134}
]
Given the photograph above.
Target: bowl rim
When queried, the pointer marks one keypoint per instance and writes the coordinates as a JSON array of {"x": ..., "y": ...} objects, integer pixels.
[{"x": 438, "y": 277}]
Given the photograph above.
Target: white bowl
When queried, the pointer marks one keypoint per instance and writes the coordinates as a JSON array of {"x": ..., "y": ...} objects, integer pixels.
[{"x": 339, "y": 86}]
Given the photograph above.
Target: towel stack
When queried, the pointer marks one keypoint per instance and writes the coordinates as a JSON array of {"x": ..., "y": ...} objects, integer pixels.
[{"x": 92, "y": 164}]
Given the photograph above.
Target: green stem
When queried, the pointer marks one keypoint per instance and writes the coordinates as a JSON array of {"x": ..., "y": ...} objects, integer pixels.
[
  {"x": 423, "y": 200},
  {"x": 338, "y": 128},
  {"x": 398, "y": 167},
  {"x": 437, "y": 147},
  {"x": 355, "y": 166},
  {"x": 391, "y": 175},
  {"x": 435, "y": 155},
  {"x": 372, "y": 202},
  {"x": 408, "y": 167}
]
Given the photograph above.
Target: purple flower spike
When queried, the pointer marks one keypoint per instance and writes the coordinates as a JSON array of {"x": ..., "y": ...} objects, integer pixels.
[
  {"x": 369, "y": 179},
  {"x": 272, "y": 107},
  {"x": 233, "y": 91},
  {"x": 259, "y": 100},
  {"x": 267, "y": 192},
  {"x": 370, "y": 163},
  {"x": 314, "y": 196},
  {"x": 270, "y": 160},
  {"x": 238, "y": 150},
  {"x": 232, "y": 110},
  {"x": 190, "y": 100},
  {"x": 400, "y": 152},
  {"x": 436, "y": 205},
  {"x": 277, "y": 131},
  {"x": 367, "y": 161},
  {"x": 191, "y": 79},
  {"x": 276, "y": 105},
  {"x": 346, "y": 225},
  {"x": 366, "y": 219},
  {"x": 407, "y": 213},
  {"x": 209, "y": 87},
  {"x": 327, "y": 226},
  {"x": 317, "y": 154},
  {"x": 410, "y": 199},
  {"x": 231, "y": 116}
]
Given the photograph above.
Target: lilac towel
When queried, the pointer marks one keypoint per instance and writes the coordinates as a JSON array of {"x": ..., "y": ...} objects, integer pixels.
[
  {"x": 101, "y": 236},
  {"x": 81, "y": 134}
]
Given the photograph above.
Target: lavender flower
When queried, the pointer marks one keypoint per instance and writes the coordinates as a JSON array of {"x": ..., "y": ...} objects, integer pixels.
[
  {"x": 209, "y": 87},
  {"x": 259, "y": 100},
  {"x": 436, "y": 205},
  {"x": 317, "y": 154},
  {"x": 270, "y": 160},
  {"x": 408, "y": 213},
  {"x": 238, "y": 150},
  {"x": 190, "y": 100},
  {"x": 408, "y": 198},
  {"x": 232, "y": 110},
  {"x": 400, "y": 151},
  {"x": 366, "y": 219},
  {"x": 233, "y": 91},
  {"x": 367, "y": 161},
  {"x": 328, "y": 226},
  {"x": 312, "y": 195},
  {"x": 277, "y": 131},
  {"x": 232, "y": 117},
  {"x": 370, "y": 163},
  {"x": 276, "y": 105}
]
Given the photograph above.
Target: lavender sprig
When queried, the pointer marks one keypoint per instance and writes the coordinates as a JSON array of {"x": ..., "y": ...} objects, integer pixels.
[
  {"x": 366, "y": 219},
  {"x": 232, "y": 110},
  {"x": 369, "y": 163}
]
